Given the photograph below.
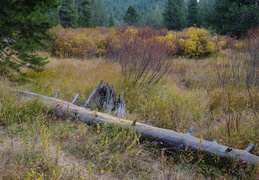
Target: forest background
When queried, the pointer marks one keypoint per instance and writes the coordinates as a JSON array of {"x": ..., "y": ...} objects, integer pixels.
[{"x": 224, "y": 17}]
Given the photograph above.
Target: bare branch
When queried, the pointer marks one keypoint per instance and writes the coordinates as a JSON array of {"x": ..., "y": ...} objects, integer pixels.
[
  {"x": 57, "y": 94},
  {"x": 75, "y": 99},
  {"x": 92, "y": 94}
]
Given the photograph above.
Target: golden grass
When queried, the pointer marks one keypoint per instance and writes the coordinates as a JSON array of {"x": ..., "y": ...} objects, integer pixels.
[
  {"x": 190, "y": 95},
  {"x": 72, "y": 76}
]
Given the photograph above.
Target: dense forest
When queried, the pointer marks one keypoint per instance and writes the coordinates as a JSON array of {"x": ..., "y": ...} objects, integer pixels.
[
  {"x": 150, "y": 10},
  {"x": 232, "y": 17},
  {"x": 109, "y": 12}
]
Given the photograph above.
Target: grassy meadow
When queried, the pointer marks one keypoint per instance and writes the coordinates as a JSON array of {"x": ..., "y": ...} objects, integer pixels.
[{"x": 190, "y": 78}]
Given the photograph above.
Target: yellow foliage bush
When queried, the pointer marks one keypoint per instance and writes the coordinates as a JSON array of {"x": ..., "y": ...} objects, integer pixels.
[
  {"x": 170, "y": 40},
  {"x": 197, "y": 42},
  {"x": 193, "y": 42},
  {"x": 120, "y": 41},
  {"x": 112, "y": 42},
  {"x": 78, "y": 43}
]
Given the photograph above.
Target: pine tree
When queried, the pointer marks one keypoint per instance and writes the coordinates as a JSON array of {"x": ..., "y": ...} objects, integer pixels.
[
  {"x": 131, "y": 16},
  {"x": 111, "y": 21},
  {"x": 154, "y": 18},
  {"x": 174, "y": 14},
  {"x": 23, "y": 29},
  {"x": 53, "y": 15},
  {"x": 99, "y": 15},
  {"x": 192, "y": 17},
  {"x": 68, "y": 14},
  {"x": 206, "y": 11},
  {"x": 235, "y": 17},
  {"x": 84, "y": 13}
]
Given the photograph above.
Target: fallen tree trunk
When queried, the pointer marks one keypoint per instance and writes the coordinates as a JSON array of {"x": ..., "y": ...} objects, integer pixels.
[{"x": 169, "y": 137}]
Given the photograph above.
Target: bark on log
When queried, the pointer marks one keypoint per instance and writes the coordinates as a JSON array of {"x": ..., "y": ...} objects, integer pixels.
[{"x": 169, "y": 137}]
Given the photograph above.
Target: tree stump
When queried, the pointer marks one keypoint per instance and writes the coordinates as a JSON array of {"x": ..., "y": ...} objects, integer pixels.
[{"x": 104, "y": 99}]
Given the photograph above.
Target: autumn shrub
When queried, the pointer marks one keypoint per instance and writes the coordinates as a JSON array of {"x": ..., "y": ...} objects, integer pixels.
[
  {"x": 237, "y": 73},
  {"x": 115, "y": 42},
  {"x": 77, "y": 43},
  {"x": 194, "y": 42},
  {"x": 146, "y": 33},
  {"x": 252, "y": 49},
  {"x": 197, "y": 42},
  {"x": 172, "y": 42},
  {"x": 143, "y": 58}
]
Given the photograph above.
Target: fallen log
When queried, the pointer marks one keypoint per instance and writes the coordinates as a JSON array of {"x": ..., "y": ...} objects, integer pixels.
[{"x": 166, "y": 136}]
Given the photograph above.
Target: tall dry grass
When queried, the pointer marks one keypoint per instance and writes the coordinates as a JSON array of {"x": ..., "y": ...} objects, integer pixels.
[
  {"x": 218, "y": 95},
  {"x": 72, "y": 76},
  {"x": 34, "y": 144},
  {"x": 191, "y": 95},
  {"x": 164, "y": 104}
]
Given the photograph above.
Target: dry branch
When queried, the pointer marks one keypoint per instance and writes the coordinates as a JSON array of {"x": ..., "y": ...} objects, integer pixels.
[
  {"x": 169, "y": 137},
  {"x": 75, "y": 99},
  {"x": 93, "y": 93}
]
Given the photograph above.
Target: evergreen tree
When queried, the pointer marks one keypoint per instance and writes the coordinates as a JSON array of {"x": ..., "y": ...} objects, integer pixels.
[
  {"x": 23, "y": 28},
  {"x": 174, "y": 14},
  {"x": 99, "y": 15},
  {"x": 154, "y": 18},
  {"x": 68, "y": 14},
  {"x": 84, "y": 13},
  {"x": 184, "y": 13},
  {"x": 131, "y": 16},
  {"x": 206, "y": 11},
  {"x": 235, "y": 17},
  {"x": 145, "y": 8},
  {"x": 104, "y": 19},
  {"x": 111, "y": 21},
  {"x": 192, "y": 17},
  {"x": 53, "y": 15}
]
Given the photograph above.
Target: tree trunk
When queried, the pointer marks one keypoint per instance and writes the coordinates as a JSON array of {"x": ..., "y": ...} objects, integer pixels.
[{"x": 165, "y": 136}]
